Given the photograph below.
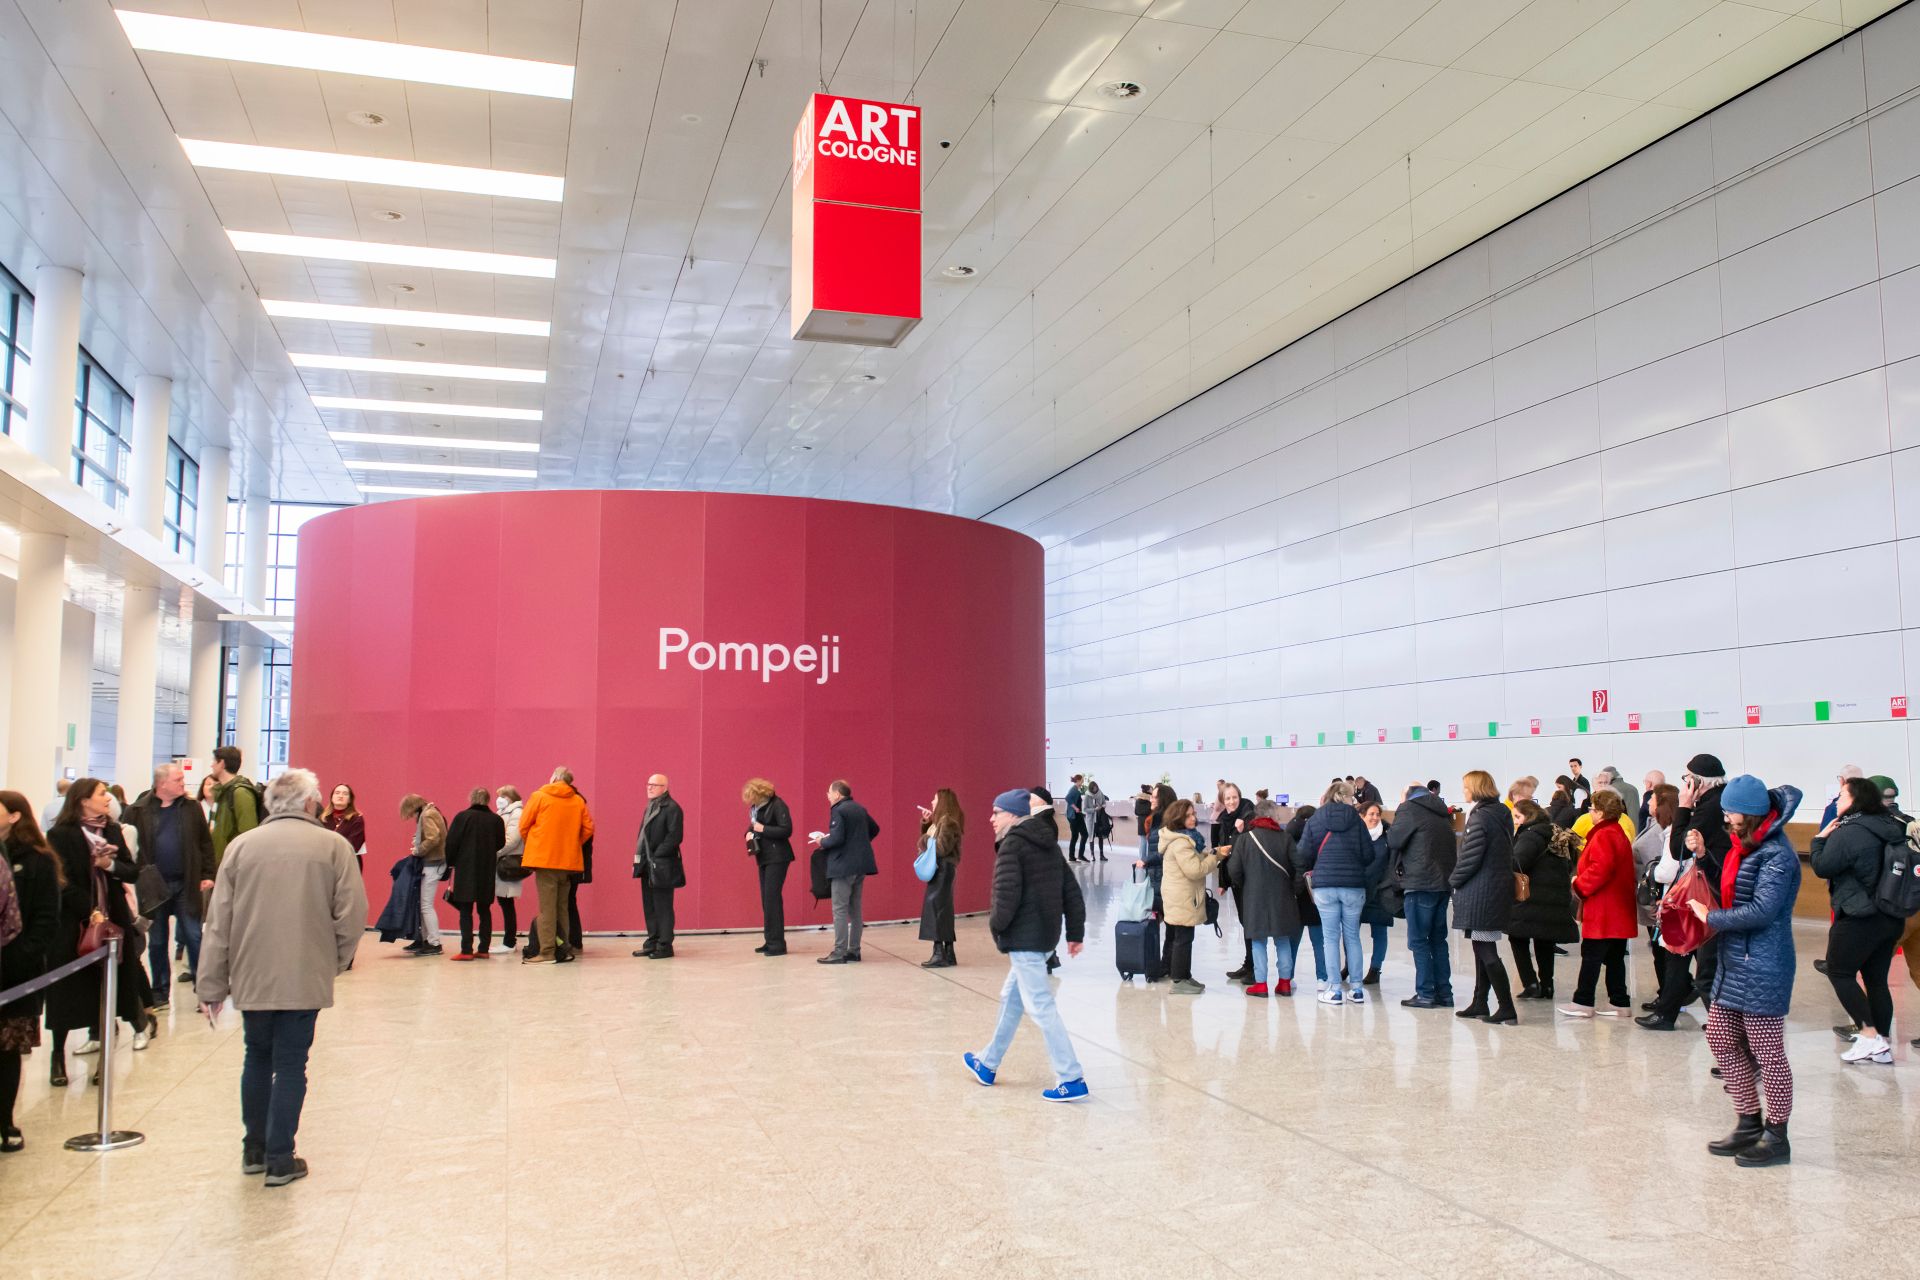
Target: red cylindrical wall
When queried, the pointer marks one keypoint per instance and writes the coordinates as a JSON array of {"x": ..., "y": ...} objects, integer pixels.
[{"x": 446, "y": 643}]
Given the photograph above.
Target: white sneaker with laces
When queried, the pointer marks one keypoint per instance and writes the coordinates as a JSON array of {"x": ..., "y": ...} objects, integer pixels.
[
  {"x": 1356, "y": 996},
  {"x": 1331, "y": 995},
  {"x": 1869, "y": 1049},
  {"x": 89, "y": 1046},
  {"x": 141, "y": 1039}
]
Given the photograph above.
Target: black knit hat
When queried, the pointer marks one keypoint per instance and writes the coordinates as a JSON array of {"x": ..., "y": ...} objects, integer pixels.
[
  {"x": 1045, "y": 795},
  {"x": 1706, "y": 766}
]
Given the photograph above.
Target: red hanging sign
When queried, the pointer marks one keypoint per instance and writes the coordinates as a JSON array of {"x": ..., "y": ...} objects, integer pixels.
[
  {"x": 1382, "y": 736},
  {"x": 1900, "y": 708},
  {"x": 1633, "y": 720},
  {"x": 1533, "y": 726},
  {"x": 1293, "y": 740},
  {"x": 856, "y": 221},
  {"x": 1753, "y": 713},
  {"x": 1453, "y": 731}
]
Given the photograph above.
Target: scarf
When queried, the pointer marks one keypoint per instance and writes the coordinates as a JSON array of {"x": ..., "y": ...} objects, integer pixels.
[
  {"x": 1266, "y": 824},
  {"x": 1730, "y": 873}
]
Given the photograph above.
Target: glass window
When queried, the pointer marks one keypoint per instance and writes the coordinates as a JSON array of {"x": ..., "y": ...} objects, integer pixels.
[
  {"x": 16, "y": 333},
  {"x": 100, "y": 425},
  {"x": 182, "y": 504}
]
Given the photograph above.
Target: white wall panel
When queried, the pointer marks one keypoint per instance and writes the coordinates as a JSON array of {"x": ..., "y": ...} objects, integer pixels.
[{"x": 1658, "y": 436}]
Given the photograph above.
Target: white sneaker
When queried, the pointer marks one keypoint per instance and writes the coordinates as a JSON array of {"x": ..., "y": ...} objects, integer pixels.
[
  {"x": 89, "y": 1046},
  {"x": 1356, "y": 996},
  {"x": 1574, "y": 1011},
  {"x": 141, "y": 1039},
  {"x": 1869, "y": 1049},
  {"x": 1331, "y": 995}
]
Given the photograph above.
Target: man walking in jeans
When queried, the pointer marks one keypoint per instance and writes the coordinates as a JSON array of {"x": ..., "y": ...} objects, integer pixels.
[
  {"x": 174, "y": 838},
  {"x": 287, "y": 912},
  {"x": 848, "y": 841},
  {"x": 1032, "y": 889}
]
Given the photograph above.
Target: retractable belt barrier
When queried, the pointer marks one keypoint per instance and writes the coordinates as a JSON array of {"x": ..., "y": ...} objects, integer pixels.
[{"x": 106, "y": 1137}]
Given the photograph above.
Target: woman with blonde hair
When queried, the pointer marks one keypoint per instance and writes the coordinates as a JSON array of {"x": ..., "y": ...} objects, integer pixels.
[
  {"x": 770, "y": 844},
  {"x": 1483, "y": 894},
  {"x": 943, "y": 826},
  {"x": 507, "y": 803}
]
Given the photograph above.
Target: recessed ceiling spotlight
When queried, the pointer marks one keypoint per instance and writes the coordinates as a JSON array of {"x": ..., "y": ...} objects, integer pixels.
[
  {"x": 404, "y": 288},
  {"x": 866, "y": 377},
  {"x": 391, "y": 215},
  {"x": 367, "y": 119},
  {"x": 1121, "y": 89},
  {"x": 690, "y": 118},
  {"x": 957, "y": 272}
]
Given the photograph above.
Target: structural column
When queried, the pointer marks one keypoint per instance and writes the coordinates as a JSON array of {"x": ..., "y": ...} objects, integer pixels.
[
  {"x": 55, "y": 372},
  {"x": 34, "y": 725},
  {"x": 249, "y": 695},
  {"x": 203, "y": 697},
  {"x": 139, "y": 677},
  {"x": 210, "y": 538},
  {"x": 147, "y": 482}
]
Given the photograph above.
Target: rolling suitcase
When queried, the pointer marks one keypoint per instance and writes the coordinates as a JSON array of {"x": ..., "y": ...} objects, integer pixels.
[{"x": 1136, "y": 949}]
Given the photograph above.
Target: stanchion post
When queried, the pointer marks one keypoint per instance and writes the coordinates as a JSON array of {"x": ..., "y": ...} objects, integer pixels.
[{"x": 107, "y": 1138}]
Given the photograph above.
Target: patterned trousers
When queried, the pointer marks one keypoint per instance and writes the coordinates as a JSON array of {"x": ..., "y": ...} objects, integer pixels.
[{"x": 1748, "y": 1047}]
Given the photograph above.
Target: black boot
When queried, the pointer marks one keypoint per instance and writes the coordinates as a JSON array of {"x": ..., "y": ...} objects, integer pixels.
[
  {"x": 1744, "y": 1135},
  {"x": 1771, "y": 1149},
  {"x": 1477, "y": 1008},
  {"x": 1503, "y": 1010},
  {"x": 933, "y": 961}
]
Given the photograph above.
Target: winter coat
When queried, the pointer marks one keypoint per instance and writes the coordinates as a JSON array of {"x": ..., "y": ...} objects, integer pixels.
[
  {"x": 352, "y": 829},
  {"x": 1264, "y": 869},
  {"x": 36, "y": 886},
  {"x": 555, "y": 824},
  {"x": 1033, "y": 889},
  {"x": 1706, "y": 818},
  {"x": 774, "y": 843},
  {"x": 430, "y": 835},
  {"x": 1223, "y": 822},
  {"x": 1562, "y": 814},
  {"x": 657, "y": 860},
  {"x": 1338, "y": 850},
  {"x": 74, "y": 1001},
  {"x": 286, "y": 916},
  {"x": 1365, "y": 794},
  {"x": 1483, "y": 876},
  {"x": 474, "y": 842},
  {"x": 1374, "y": 909},
  {"x": 400, "y": 918},
  {"x": 196, "y": 845},
  {"x": 1605, "y": 884},
  {"x": 1755, "y": 930},
  {"x": 1183, "y": 886},
  {"x": 1849, "y": 860},
  {"x": 1648, "y": 848},
  {"x": 1540, "y": 854},
  {"x": 236, "y": 811},
  {"x": 1421, "y": 841},
  {"x": 849, "y": 841},
  {"x": 936, "y": 904},
  {"x": 515, "y": 843}
]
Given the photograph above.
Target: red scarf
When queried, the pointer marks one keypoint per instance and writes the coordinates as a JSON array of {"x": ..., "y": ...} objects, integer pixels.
[
  {"x": 1266, "y": 824},
  {"x": 1730, "y": 872}
]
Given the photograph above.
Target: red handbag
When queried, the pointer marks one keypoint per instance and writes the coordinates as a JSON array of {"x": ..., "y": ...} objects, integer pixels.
[
  {"x": 100, "y": 930},
  {"x": 1681, "y": 931}
]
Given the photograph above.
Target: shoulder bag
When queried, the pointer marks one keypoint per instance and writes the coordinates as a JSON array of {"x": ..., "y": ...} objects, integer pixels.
[
  {"x": 927, "y": 865},
  {"x": 99, "y": 930}
]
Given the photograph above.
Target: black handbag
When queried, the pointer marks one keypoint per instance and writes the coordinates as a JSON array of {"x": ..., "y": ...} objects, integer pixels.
[
  {"x": 509, "y": 868},
  {"x": 1213, "y": 915},
  {"x": 150, "y": 890}
]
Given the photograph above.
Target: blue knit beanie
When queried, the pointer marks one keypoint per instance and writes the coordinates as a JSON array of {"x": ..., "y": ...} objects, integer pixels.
[
  {"x": 1018, "y": 802},
  {"x": 1748, "y": 795}
]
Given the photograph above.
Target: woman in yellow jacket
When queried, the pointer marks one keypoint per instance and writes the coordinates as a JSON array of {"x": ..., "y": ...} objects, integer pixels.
[{"x": 1183, "y": 890}]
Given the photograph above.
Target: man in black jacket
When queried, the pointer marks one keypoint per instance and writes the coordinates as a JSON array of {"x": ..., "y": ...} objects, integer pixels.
[
  {"x": 175, "y": 839},
  {"x": 1420, "y": 843},
  {"x": 848, "y": 842},
  {"x": 1032, "y": 889},
  {"x": 658, "y": 867},
  {"x": 1699, "y": 833}
]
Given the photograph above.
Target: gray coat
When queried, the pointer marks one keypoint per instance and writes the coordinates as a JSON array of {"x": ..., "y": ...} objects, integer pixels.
[{"x": 287, "y": 913}]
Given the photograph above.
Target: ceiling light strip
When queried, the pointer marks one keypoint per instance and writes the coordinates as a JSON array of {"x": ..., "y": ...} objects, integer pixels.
[
  {"x": 397, "y": 255},
  {"x": 435, "y": 442},
  {"x": 284, "y": 309},
  {"x": 416, "y": 368},
  {"x": 443, "y": 468},
  {"x": 384, "y": 59},
  {"x": 246, "y": 158},
  {"x": 421, "y": 406}
]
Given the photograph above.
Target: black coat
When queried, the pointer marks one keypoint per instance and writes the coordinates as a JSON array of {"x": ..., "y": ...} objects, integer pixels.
[
  {"x": 1266, "y": 885},
  {"x": 195, "y": 834},
  {"x": 773, "y": 844},
  {"x": 1483, "y": 876},
  {"x": 1422, "y": 844},
  {"x": 36, "y": 885},
  {"x": 936, "y": 905},
  {"x": 1033, "y": 888},
  {"x": 1547, "y": 914},
  {"x": 656, "y": 853},
  {"x": 74, "y": 1001},
  {"x": 474, "y": 842},
  {"x": 1223, "y": 832},
  {"x": 1849, "y": 860},
  {"x": 1706, "y": 818},
  {"x": 849, "y": 841},
  {"x": 1297, "y": 827}
]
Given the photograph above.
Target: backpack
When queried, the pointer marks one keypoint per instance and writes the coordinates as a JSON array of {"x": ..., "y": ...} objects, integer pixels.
[{"x": 1898, "y": 892}]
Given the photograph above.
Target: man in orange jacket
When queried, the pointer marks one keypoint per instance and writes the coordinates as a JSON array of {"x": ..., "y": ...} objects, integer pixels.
[{"x": 554, "y": 825}]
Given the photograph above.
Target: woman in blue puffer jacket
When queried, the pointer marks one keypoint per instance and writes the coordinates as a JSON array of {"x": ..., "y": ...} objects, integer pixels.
[
  {"x": 1343, "y": 859},
  {"x": 1754, "y": 982}
]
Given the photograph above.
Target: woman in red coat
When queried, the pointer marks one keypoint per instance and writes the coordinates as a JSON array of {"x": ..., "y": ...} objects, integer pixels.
[{"x": 1608, "y": 917}]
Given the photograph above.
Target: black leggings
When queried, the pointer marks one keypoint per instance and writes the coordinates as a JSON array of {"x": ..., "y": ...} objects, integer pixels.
[
  {"x": 9, "y": 1085},
  {"x": 467, "y": 911},
  {"x": 1535, "y": 969},
  {"x": 1609, "y": 954},
  {"x": 509, "y": 921},
  {"x": 1860, "y": 949},
  {"x": 1180, "y": 951},
  {"x": 1490, "y": 972}
]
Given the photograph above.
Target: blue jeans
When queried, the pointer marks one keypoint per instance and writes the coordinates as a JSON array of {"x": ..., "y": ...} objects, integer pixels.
[
  {"x": 1319, "y": 940},
  {"x": 1379, "y": 945},
  {"x": 273, "y": 1079},
  {"x": 159, "y": 951},
  {"x": 1027, "y": 990},
  {"x": 1340, "y": 919},
  {"x": 1427, "y": 939},
  {"x": 1283, "y": 963}
]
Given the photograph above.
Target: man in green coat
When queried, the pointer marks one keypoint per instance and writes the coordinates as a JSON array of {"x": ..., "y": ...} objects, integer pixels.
[{"x": 236, "y": 805}]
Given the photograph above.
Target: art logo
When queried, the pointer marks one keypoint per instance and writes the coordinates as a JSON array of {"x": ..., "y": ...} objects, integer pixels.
[
  {"x": 821, "y": 660},
  {"x": 856, "y": 221}
]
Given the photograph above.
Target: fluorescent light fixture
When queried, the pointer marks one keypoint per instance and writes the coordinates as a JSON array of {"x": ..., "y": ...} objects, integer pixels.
[
  {"x": 388, "y": 173},
  {"x": 443, "y": 468},
  {"x": 278, "y": 47},
  {"x": 397, "y": 255},
  {"x": 404, "y": 319},
  {"x": 407, "y": 490},
  {"x": 435, "y": 442},
  {"x": 421, "y": 406},
  {"x": 418, "y": 368}
]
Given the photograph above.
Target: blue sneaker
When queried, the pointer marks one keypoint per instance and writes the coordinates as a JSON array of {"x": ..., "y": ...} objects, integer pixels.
[
  {"x": 1071, "y": 1091},
  {"x": 981, "y": 1071}
]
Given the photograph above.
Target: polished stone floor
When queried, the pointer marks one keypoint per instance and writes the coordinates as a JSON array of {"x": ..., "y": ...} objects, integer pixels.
[{"x": 727, "y": 1115}]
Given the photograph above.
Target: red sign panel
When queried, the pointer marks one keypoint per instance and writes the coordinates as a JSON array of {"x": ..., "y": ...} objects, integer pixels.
[
  {"x": 1293, "y": 739},
  {"x": 1382, "y": 736},
  {"x": 1533, "y": 726},
  {"x": 856, "y": 221},
  {"x": 1599, "y": 701},
  {"x": 1453, "y": 731},
  {"x": 1633, "y": 720},
  {"x": 1753, "y": 713},
  {"x": 1900, "y": 708}
]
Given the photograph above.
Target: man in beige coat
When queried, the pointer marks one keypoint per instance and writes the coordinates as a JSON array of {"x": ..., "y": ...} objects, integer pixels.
[{"x": 287, "y": 913}]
